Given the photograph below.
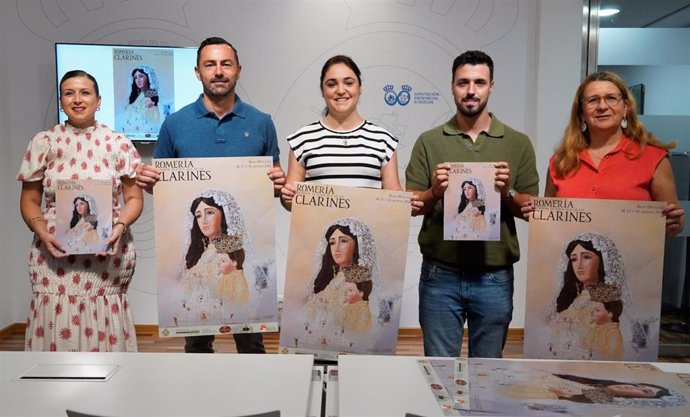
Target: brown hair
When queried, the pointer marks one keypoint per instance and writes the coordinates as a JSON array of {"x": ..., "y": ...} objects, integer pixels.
[{"x": 566, "y": 158}]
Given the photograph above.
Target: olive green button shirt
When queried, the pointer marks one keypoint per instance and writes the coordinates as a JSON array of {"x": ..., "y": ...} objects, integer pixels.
[{"x": 446, "y": 143}]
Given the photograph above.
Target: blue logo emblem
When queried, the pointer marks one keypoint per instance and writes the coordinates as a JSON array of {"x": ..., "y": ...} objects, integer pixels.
[
  {"x": 389, "y": 95},
  {"x": 404, "y": 95},
  {"x": 402, "y": 98}
]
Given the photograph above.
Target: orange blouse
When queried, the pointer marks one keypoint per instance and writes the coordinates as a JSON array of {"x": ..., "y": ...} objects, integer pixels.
[{"x": 618, "y": 176}]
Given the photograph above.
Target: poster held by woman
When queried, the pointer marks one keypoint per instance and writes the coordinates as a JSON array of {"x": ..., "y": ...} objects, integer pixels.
[
  {"x": 345, "y": 270},
  {"x": 594, "y": 287},
  {"x": 83, "y": 211}
]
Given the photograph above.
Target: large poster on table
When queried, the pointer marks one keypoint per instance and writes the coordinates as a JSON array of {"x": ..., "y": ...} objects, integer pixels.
[
  {"x": 143, "y": 87},
  {"x": 575, "y": 388},
  {"x": 345, "y": 270},
  {"x": 215, "y": 246},
  {"x": 594, "y": 287}
]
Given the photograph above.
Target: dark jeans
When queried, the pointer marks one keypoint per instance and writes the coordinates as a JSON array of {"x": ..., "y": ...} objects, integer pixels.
[
  {"x": 245, "y": 343},
  {"x": 449, "y": 298}
]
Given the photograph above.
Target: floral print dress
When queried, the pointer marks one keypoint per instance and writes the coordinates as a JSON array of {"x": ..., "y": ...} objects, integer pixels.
[{"x": 79, "y": 302}]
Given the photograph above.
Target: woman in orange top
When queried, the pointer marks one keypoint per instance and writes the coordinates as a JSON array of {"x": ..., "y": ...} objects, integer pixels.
[{"x": 606, "y": 153}]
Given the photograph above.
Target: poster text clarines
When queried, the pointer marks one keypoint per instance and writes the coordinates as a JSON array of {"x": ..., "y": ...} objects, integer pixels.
[
  {"x": 560, "y": 211},
  {"x": 181, "y": 170},
  {"x": 319, "y": 195}
]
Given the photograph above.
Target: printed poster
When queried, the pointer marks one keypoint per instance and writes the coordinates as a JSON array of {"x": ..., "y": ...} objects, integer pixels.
[
  {"x": 448, "y": 380},
  {"x": 471, "y": 203},
  {"x": 594, "y": 289},
  {"x": 215, "y": 246},
  {"x": 84, "y": 215},
  {"x": 345, "y": 270},
  {"x": 575, "y": 388},
  {"x": 144, "y": 92}
]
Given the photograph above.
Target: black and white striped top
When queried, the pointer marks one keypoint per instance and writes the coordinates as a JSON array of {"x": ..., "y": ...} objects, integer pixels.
[{"x": 353, "y": 158}]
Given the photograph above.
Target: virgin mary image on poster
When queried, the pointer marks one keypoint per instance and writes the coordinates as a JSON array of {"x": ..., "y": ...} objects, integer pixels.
[
  {"x": 220, "y": 273},
  {"x": 344, "y": 304},
  {"x": 83, "y": 233},
  {"x": 592, "y": 314},
  {"x": 470, "y": 220},
  {"x": 471, "y": 203},
  {"x": 143, "y": 115}
]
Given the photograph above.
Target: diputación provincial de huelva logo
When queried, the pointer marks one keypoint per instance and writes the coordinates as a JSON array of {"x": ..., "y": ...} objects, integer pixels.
[
  {"x": 389, "y": 95},
  {"x": 405, "y": 96}
]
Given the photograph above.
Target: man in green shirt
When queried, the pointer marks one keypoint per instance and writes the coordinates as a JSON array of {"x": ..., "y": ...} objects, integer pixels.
[{"x": 469, "y": 280}]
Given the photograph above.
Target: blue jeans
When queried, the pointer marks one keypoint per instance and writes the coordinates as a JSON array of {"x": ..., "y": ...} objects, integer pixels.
[{"x": 449, "y": 298}]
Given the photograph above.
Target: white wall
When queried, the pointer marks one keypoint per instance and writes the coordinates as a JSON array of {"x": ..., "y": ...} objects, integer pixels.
[{"x": 535, "y": 44}]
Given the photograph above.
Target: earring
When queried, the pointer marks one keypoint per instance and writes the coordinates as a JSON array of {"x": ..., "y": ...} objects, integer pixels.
[
  {"x": 62, "y": 110},
  {"x": 98, "y": 108},
  {"x": 584, "y": 127},
  {"x": 624, "y": 123}
]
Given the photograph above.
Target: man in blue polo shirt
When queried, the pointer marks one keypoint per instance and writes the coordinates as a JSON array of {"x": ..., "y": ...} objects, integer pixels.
[{"x": 218, "y": 124}]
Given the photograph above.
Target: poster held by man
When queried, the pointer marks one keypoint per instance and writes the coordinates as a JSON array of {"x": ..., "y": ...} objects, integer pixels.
[{"x": 215, "y": 246}]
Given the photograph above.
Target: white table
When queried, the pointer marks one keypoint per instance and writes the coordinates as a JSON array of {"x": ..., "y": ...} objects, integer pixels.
[
  {"x": 160, "y": 384},
  {"x": 394, "y": 385}
]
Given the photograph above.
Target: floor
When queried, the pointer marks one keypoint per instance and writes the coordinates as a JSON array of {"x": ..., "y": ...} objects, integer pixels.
[{"x": 409, "y": 344}]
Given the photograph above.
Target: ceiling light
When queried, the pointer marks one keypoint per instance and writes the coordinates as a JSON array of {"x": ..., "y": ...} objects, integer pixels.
[{"x": 608, "y": 12}]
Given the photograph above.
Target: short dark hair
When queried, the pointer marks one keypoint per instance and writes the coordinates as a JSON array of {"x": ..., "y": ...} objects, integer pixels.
[
  {"x": 473, "y": 58},
  {"x": 214, "y": 40},
  {"x": 237, "y": 256},
  {"x": 365, "y": 287},
  {"x": 79, "y": 73},
  {"x": 340, "y": 59}
]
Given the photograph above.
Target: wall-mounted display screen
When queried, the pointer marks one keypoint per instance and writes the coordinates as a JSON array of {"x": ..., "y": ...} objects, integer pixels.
[{"x": 139, "y": 85}]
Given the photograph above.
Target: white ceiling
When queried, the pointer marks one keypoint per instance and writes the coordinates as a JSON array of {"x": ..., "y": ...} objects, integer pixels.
[{"x": 647, "y": 13}]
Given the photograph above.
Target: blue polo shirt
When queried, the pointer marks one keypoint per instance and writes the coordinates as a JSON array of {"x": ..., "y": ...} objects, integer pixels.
[{"x": 195, "y": 132}]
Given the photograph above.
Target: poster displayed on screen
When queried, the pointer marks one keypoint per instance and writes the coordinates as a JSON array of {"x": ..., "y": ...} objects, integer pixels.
[
  {"x": 84, "y": 215},
  {"x": 144, "y": 90},
  {"x": 471, "y": 203},
  {"x": 215, "y": 246},
  {"x": 594, "y": 287},
  {"x": 345, "y": 270},
  {"x": 139, "y": 85},
  {"x": 575, "y": 388}
]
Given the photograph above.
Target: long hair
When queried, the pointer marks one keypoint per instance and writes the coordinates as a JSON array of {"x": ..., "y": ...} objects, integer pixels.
[
  {"x": 464, "y": 201},
  {"x": 198, "y": 241},
  {"x": 567, "y": 155},
  {"x": 76, "y": 216},
  {"x": 603, "y": 383},
  {"x": 571, "y": 285},
  {"x": 134, "y": 93},
  {"x": 328, "y": 266}
]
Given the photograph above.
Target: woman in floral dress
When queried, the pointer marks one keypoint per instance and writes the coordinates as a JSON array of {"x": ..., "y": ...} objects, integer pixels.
[{"x": 79, "y": 302}]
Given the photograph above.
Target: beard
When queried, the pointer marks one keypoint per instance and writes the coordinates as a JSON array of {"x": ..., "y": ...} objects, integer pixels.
[
  {"x": 218, "y": 91},
  {"x": 472, "y": 112}
]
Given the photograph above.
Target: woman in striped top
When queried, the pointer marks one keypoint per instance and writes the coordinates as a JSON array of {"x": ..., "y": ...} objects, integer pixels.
[{"x": 342, "y": 148}]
